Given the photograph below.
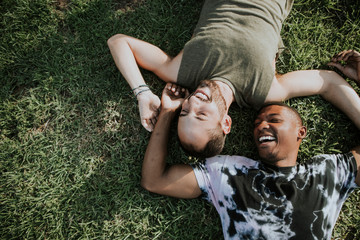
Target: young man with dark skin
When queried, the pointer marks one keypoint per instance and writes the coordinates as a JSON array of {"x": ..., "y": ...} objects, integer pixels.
[
  {"x": 274, "y": 198},
  {"x": 234, "y": 47}
]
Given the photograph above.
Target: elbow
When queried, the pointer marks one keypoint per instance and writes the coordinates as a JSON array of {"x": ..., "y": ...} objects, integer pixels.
[
  {"x": 148, "y": 185},
  {"x": 331, "y": 84},
  {"x": 112, "y": 41}
]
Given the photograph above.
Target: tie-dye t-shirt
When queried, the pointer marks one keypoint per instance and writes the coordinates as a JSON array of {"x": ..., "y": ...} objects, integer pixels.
[{"x": 258, "y": 201}]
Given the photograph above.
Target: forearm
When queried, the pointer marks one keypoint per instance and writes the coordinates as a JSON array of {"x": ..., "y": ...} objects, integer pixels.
[
  {"x": 130, "y": 53},
  {"x": 339, "y": 93},
  {"x": 125, "y": 61},
  {"x": 154, "y": 164},
  {"x": 330, "y": 85},
  {"x": 356, "y": 153}
]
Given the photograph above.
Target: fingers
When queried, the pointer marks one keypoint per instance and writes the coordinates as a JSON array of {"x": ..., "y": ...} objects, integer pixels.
[
  {"x": 337, "y": 65},
  {"x": 147, "y": 125},
  {"x": 175, "y": 89},
  {"x": 186, "y": 93},
  {"x": 153, "y": 122},
  {"x": 340, "y": 56},
  {"x": 345, "y": 55}
]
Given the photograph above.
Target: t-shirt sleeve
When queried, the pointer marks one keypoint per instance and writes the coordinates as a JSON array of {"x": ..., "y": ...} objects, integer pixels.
[
  {"x": 209, "y": 177},
  {"x": 346, "y": 170}
]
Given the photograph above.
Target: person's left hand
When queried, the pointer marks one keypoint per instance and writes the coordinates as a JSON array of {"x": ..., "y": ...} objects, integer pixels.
[{"x": 173, "y": 96}]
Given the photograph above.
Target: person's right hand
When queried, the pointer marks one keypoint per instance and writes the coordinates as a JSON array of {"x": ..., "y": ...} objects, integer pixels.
[
  {"x": 149, "y": 108},
  {"x": 173, "y": 96},
  {"x": 351, "y": 68}
]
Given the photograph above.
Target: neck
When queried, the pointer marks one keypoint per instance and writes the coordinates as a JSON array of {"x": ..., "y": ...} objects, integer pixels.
[
  {"x": 289, "y": 161},
  {"x": 226, "y": 92},
  {"x": 284, "y": 164}
]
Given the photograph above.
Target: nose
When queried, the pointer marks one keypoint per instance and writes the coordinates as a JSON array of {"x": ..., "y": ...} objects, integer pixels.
[
  {"x": 263, "y": 125},
  {"x": 192, "y": 103}
]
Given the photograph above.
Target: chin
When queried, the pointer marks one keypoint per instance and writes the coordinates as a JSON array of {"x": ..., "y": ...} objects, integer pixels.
[{"x": 268, "y": 157}]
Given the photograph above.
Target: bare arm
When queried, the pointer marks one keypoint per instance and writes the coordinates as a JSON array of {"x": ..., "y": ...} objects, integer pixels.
[
  {"x": 176, "y": 180},
  {"x": 356, "y": 152},
  {"x": 351, "y": 68},
  {"x": 129, "y": 54},
  {"x": 330, "y": 85}
]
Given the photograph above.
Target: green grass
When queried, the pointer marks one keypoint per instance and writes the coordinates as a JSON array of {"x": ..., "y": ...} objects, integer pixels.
[{"x": 71, "y": 144}]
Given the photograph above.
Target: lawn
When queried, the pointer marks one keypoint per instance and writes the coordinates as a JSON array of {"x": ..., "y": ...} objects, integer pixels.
[{"x": 71, "y": 143}]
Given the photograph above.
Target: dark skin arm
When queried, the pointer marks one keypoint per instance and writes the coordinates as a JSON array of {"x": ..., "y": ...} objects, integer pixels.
[
  {"x": 356, "y": 152},
  {"x": 176, "y": 180}
]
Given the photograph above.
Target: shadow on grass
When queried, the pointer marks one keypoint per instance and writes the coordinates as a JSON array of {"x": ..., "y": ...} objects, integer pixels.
[
  {"x": 95, "y": 126},
  {"x": 99, "y": 137}
]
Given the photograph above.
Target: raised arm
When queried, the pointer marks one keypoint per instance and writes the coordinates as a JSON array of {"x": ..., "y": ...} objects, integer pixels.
[
  {"x": 356, "y": 152},
  {"x": 175, "y": 180},
  {"x": 129, "y": 54},
  {"x": 330, "y": 85},
  {"x": 351, "y": 69}
]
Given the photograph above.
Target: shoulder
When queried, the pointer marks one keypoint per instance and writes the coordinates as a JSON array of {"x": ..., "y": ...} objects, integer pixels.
[
  {"x": 331, "y": 158},
  {"x": 341, "y": 164},
  {"x": 228, "y": 162}
]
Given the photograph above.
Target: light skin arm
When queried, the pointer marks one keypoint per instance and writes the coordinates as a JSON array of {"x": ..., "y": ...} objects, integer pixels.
[
  {"x": 129, "y": 54},
  {"x": 351, "y": 69},
  {"x": 176, "y": 180},
  {"x": 330, "y": 85}
]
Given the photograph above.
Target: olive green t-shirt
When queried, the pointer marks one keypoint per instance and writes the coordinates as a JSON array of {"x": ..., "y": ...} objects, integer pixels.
[{"x": 235, "y": 41}]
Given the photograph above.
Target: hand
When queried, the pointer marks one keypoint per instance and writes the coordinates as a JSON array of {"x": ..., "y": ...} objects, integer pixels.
[
  {"x": 149, "y": 107},
  {"x": 173, "y": 96},
  {"x": 351, "y": 68}
]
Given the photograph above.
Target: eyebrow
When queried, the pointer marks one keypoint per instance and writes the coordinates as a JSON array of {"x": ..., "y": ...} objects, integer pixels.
[
  {"x": 274, "y": 114},
  {"x": 270, "y": 115}
]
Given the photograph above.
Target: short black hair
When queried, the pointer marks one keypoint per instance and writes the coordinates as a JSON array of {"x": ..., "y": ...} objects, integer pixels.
[{"x": 297, "y": 114}]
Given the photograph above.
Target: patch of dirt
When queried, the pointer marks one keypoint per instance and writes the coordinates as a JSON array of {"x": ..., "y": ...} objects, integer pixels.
[
  {"x": 62, "y": 4},
  {"x": 127, "y": 4}
]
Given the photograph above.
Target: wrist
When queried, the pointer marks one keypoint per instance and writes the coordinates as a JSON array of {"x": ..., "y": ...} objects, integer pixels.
[
  {"x": 143, "y": 94},
  {"x": 168, "y": 112},
  {"x": 140, "y": 90}
]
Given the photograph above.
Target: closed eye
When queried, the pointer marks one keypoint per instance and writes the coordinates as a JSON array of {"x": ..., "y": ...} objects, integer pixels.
[
  {"x": 202, "y": 116},
  {"x": 275, "y": 120},
  {"x": 183, "y": 113}
]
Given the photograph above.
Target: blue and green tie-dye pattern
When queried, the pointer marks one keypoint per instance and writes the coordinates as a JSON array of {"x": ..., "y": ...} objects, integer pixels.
[{"x": 258, "y": 201}]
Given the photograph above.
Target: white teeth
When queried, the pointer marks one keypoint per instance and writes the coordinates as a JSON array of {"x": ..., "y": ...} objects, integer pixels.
[
  {"x": 201, "y": 95},
  {"x": 266, "y": 138}
]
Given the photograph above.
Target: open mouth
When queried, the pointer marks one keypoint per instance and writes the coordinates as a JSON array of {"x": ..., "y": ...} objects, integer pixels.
[
  {"x": 265, "y": 139},
  {"x": 202, "y": 95}
]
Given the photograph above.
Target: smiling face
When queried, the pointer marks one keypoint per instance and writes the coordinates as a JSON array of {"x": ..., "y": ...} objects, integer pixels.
[
  {"x": 278, "y": 133},
  {"x": 202, "y": 115}
]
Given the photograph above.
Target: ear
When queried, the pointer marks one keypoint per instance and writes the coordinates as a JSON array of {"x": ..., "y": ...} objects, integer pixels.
[
  {"x": 226, "y": 124},
  {"x": 302, "y": 132}
]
